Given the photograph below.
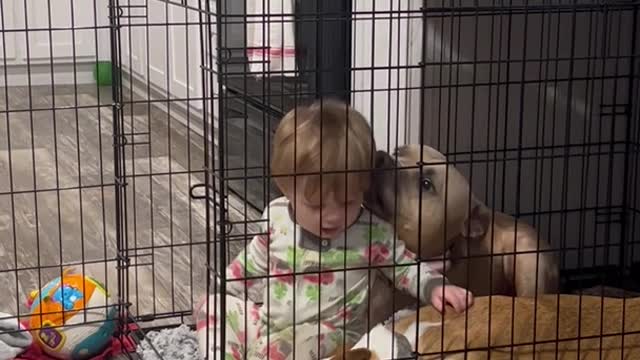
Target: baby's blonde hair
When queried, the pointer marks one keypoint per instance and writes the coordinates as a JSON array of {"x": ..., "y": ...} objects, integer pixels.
[{"x": 329, "y": 128}]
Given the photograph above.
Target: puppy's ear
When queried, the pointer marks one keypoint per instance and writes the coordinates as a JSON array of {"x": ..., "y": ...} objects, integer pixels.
[
  {"x": 376, "y": 198},
  {"x": 355, "y": 354},
  {"x": 383, "y": 160},
  {"x": 478, "y": 220}
]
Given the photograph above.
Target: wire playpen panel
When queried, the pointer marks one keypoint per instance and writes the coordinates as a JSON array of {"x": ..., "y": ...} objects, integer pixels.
[{"x": 165, "y": 97}]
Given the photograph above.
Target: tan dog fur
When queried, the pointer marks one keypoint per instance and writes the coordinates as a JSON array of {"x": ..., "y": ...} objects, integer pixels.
[
  {"x": 489, "y": 322},
  {"x": 472, "y": 229},
  {"x": 484, "y": 331}
]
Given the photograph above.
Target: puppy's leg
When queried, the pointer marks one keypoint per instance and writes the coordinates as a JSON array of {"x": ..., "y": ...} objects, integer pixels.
[
  {"x": 536, "y": 269},
  {"x": 385, "y": 300},
  {"x": 380, "y": 295}
]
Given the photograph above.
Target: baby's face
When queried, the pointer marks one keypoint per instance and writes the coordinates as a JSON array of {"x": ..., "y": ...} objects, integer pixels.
[{"x": 327, "y": 217}]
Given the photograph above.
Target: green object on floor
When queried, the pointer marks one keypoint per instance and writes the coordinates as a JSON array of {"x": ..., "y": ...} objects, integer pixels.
[{"x": 102, "y": 73}]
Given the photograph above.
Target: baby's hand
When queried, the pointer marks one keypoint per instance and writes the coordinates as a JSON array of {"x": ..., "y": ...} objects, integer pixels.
[{"x": 453, "y": 295}]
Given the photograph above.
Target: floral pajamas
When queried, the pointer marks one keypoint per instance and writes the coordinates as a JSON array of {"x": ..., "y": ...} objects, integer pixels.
[
  {"x": 316, "y": 289},
  {"x": 249, "y": 338}
]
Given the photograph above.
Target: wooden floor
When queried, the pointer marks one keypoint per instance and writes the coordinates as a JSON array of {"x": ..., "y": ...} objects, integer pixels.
[{"x": 58, "y": 199}]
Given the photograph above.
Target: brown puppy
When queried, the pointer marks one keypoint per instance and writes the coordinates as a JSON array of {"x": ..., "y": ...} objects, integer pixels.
[
  {"x": 553, "y": 322},
  {"x": 435, "y": 211}
]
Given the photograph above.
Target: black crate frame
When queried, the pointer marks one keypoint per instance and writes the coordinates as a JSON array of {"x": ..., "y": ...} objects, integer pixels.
[{"x": 218, "y": 178}]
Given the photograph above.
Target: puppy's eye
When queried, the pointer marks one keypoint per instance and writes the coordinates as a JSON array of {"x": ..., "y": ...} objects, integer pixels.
[{"x": 427, "y": 184}]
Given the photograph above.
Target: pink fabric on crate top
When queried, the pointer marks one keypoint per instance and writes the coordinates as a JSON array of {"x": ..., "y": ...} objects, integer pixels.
[{"x": 271, "y": 37}]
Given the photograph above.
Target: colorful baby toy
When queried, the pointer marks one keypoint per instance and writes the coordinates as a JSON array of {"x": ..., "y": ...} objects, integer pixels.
[{"x": 71, "y": 317}]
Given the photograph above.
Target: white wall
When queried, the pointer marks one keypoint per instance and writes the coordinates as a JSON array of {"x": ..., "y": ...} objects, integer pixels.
[
  {"x": 393, "y": 42},
  {"x": 162, "y": 61},
  {"x": 158, "y": 60},
  {"x": 30, "y": 46}
]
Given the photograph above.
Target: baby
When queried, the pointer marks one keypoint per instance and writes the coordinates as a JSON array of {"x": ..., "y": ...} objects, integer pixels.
[{"x": 312, "y": 271}]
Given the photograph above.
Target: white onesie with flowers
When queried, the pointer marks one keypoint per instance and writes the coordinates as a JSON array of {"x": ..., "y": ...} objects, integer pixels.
[{"x": 316, "y": 295}]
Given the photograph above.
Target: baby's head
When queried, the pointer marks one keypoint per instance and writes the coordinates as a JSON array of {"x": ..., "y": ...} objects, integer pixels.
[{"x": 322, "y": 159}]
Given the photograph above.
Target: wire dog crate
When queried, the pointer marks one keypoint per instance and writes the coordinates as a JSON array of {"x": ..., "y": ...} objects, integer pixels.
[{"x": 152, "y": 184}]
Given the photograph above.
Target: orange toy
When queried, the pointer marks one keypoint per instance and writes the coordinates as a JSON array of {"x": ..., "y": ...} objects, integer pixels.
[{"x": 71, "y": 317}]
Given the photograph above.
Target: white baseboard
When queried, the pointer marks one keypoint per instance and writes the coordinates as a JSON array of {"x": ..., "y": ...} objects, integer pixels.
[{"x": 40, "y": 74}]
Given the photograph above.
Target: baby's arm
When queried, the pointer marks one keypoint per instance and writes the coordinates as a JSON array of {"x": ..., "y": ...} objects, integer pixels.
[
  {"x": 406, "y": 270},
  {"x": 250, "y": 262}
]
